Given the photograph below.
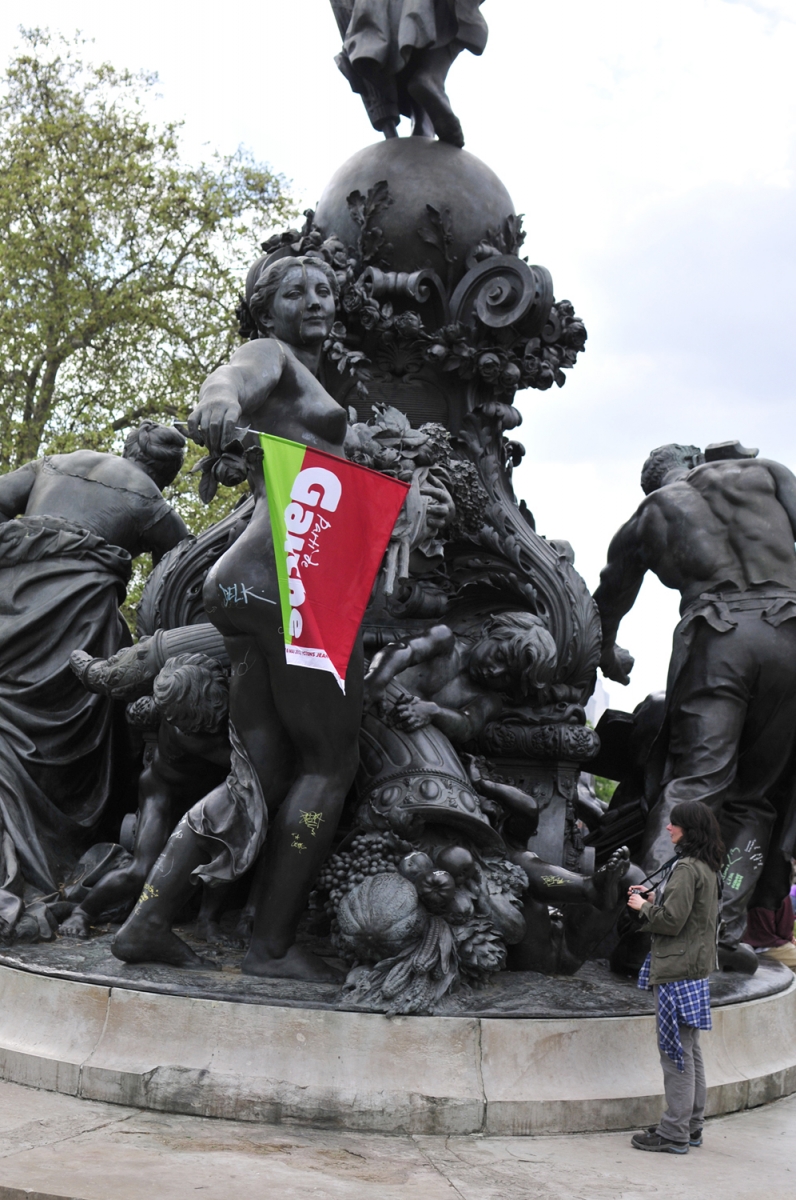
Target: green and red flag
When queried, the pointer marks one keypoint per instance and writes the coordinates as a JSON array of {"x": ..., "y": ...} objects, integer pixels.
[{"x": 331, "y": 521}]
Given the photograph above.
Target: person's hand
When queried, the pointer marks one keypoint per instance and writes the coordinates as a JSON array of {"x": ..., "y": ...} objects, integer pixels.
[
  {"x": 637, "y": 897},
  {"x": 410, "y": 713},
  {"x": 617, "y": 664},
  {"x": 214, "y": 424}
]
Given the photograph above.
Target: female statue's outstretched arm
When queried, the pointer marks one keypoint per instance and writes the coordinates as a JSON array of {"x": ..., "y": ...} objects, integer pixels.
[{"x": 232, "y": 394}]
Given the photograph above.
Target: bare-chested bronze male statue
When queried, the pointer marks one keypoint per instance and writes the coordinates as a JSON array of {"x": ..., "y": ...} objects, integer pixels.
[{"x": 722, "y": 534}]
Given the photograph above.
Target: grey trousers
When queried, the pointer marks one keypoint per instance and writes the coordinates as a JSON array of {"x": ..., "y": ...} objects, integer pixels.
[{"x": 685, "y": 1090}]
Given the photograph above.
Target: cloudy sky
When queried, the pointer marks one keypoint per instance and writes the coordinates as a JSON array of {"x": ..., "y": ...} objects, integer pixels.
[{"x": 650, "y": 144}]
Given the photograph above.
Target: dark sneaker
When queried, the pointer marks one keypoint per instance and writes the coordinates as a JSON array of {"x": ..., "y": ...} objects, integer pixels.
[
  {"x": 661, "y": 1145},
  {"x": 695, "y": 1139}
]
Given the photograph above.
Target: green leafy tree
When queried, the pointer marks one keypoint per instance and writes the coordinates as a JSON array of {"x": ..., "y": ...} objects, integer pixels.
[
  {"x": 604, "y": 788},
  {"x": 119, "y": 263}
]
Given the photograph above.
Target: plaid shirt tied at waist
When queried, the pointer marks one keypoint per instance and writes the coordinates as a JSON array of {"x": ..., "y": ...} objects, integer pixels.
[{"x": 686, "y": 1002}]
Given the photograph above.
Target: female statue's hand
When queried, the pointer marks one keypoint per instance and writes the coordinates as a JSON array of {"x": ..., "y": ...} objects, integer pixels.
[{"x": 215, "y": 423}]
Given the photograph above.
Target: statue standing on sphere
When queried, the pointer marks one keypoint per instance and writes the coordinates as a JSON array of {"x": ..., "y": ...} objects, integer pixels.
[
  {"x": 721, "y": 532},
  {"x": 397, "y": 54}
]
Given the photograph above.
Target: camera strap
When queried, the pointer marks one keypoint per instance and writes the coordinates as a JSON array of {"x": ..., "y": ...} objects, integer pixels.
[{"x": 666, "y": 870}]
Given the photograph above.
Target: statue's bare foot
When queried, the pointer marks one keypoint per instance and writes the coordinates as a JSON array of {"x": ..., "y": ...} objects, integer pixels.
[
  {"x": 76, "y": 925},
  {"x": 738, "y": 957},
  {"x": 606, "y": 883},
  {"x": 297, "y": 963},
  {"x": 149, "y": 943}
]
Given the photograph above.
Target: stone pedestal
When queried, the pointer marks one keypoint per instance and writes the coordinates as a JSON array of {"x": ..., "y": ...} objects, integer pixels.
[{"x": 253, "y": 1058}]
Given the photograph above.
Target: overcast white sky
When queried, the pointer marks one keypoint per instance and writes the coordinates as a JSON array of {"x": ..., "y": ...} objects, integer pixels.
[{"x": 650, "y": 144}]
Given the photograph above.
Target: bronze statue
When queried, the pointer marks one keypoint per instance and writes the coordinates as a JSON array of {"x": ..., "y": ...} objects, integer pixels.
[
  {"x": 431, "y": 693},
  {"x": 185, "y": 721},
  {"x": 472, "y": 748},
  {"x": 70, "y": 525},
  {"x": 297, "y": 731},
  {"x": 116, "y": 499},
  {"x": 456, "y": 685},
  {"x": 454, "y": 682},
  {"x": 441, "y": 323},
  {"x": 397, "y": 54},
  {"x": 721, "y": 532}
]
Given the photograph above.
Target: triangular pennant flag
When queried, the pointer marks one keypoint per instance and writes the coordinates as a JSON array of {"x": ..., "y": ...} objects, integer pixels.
[{"x": 331, "y": 522}]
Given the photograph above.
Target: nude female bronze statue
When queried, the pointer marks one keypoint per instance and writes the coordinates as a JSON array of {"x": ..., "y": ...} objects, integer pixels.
[{"x": 296, "y": 732}]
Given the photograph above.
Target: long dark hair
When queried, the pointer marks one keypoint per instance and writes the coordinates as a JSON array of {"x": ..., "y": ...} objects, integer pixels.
[{"x": 701, "y": 834}]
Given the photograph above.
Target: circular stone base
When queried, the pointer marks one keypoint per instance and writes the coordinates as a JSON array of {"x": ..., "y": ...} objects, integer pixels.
[{"x": 528, "y": 1055}]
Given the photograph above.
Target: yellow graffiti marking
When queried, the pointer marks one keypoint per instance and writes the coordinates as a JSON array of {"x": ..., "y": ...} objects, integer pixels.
[
  {"x": 312, "y": 820},
  {"x": 297, "y": 843},
  {"x": 553, "y": 879}
]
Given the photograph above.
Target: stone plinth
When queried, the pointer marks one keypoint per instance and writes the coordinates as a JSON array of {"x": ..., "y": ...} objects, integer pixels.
[{"x": 254, "y": 1059}]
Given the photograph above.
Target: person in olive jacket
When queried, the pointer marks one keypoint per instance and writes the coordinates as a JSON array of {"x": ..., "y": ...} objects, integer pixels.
[{"x": 683, "y": 924}]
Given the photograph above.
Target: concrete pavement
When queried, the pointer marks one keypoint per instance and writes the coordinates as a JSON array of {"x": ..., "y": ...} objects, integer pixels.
[{"x": 56, "y": 1147}]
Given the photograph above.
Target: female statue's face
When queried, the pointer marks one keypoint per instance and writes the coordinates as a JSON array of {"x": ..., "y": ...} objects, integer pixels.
[{"x": 302, "y": 311}]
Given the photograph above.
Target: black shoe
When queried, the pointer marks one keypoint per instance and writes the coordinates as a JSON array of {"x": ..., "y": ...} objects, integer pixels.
[
  {"x": 654, "y": 1141},
  {"x": 695, "y": 1139}
]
